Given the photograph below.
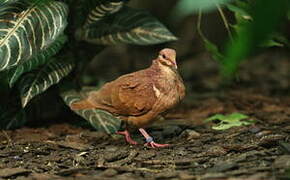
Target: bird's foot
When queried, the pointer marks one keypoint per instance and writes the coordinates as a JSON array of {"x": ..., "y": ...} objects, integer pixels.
[
  {"x": 149, "y": 140},
  {"x": 155, "y": 145},
  {"x": 127, "y": 137}
]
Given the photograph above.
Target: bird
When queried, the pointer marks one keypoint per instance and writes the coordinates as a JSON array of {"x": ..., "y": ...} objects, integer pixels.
[{"x": 138, "y": 98}]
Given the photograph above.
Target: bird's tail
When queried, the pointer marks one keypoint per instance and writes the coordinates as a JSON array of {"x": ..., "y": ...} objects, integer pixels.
[{"x": 84, "y": 104}]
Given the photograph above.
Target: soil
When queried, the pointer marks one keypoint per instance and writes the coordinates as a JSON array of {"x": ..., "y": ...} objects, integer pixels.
[{"x": 259, "y": 151}]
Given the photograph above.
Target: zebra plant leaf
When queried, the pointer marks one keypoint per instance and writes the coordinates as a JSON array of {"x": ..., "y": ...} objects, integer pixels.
[
  {"x": 14, "y": 73},
  {"x": 129, "y": 26},
  {"x": 101, "y": 9},
  {"x": 99, "y": 119},
  {"x": 2, "y": 2},
  {"x": 37, "y": 82},
  {"x": 28, "y": 27}
]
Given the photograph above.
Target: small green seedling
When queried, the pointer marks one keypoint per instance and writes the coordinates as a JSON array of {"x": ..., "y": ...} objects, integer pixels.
[{"x": 230, "y": 120}]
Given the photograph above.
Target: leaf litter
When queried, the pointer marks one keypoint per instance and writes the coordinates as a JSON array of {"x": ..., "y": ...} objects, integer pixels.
[{"x": 256, "y": 151}]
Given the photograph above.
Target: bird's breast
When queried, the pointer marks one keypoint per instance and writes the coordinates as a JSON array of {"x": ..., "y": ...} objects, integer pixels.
[{"x": 167, "y": 91}]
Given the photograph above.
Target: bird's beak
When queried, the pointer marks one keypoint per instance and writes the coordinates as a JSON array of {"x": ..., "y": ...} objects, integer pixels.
[{"x": 174, "y": 62}]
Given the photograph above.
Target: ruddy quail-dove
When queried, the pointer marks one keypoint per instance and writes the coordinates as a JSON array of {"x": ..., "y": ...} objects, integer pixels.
[{"x": 139, "y": 97}]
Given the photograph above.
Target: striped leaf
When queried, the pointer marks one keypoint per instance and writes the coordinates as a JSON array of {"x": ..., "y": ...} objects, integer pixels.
[
  {"x": 129, "y": 26},
  {"x": 2, "y": 2},
  {"x": 99, "y": 119},
  {"x": 37, "y": 82},
  {"x": 27, "y": 27},
  {"x": 41, "y": 58},
  {"x": 101, "y": 9}
]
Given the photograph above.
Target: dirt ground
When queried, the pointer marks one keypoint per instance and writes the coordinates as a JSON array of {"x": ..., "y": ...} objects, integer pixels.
[{"x": 260, "y": 151}]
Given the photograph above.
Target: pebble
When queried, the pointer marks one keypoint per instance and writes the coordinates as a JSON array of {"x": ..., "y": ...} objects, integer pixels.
[
  {"x": 190, "y": 134},
  {"x": 254, "y": 129},
  {"x": 171, "y": 131},
  {"x": 109, "y": 173},
  {"x": 263, "y": 133}
]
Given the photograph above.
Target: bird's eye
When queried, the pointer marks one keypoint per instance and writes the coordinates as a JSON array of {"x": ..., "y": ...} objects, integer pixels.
[{"x": 163, "y": 56}]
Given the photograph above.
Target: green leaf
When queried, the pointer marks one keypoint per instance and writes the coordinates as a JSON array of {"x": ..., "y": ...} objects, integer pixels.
[
  {"x": 99, "y": 119},
  {"x": 241, "y": 9},
  {"x": 85, "y": 12},
  {"x": 129, "y": 26},
  {"x": 103, "y": 8},
  {"x": 240, "y": 12},
  {"x": 253, "y": 34},
  {"x": 37, "y": 82},
  {"x": 276, "y": 40},
  {"x": 41, "y": 58},
  {"x": 2, "y": 2},
  {"x": 186, "y": 7},
  {"x": 231, "y": 120},
  {"x": 213, "y": 50},
  {"x": 26, "y": 28},
  {"x": 209, "y": 46}
]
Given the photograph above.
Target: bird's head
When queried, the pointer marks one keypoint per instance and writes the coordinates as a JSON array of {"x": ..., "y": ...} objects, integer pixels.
[{"x": 167, "y": 57}]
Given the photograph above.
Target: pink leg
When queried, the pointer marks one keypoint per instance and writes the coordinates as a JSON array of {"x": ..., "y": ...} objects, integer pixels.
[
  {"x": 127, "y": 137},
  {"x": 149, "y": 140}
]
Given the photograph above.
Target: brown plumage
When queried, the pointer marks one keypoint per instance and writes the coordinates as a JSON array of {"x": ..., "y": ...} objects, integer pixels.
[{"x": 139, "y": 97}]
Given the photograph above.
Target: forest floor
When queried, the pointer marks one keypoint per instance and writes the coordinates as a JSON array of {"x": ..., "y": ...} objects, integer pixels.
[{"x": 255, "y": 152}]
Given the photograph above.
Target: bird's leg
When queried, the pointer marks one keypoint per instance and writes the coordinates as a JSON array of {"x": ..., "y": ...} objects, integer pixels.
[
  {"x": 127, "y": 137},
  {"x": 149, "y": 140}
]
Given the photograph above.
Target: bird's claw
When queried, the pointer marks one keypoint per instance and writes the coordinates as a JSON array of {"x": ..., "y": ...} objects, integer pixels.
[
  {"x": 130, "y": 141},
  {"x": 127, "y": 137},
  {"x": 155, "y": 145}
]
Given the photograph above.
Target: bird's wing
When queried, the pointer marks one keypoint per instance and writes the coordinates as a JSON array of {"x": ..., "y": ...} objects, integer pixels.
[
  {"x": 132, "y": 94},
  {"x": 137, "y": 95}
]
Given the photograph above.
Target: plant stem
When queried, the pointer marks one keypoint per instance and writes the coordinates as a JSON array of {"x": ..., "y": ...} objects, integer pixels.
[
  {"x": 225, "y": 21},
  {"x": 198, "y": 24}
]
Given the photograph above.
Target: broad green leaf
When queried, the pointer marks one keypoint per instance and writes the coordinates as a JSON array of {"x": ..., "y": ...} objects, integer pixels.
[
  {"x": 129, "y": 26},
  {"x": 26, "y": 28},
  {"x": 186, "y": 7},
  {"x": 41, "y": 58},
  {"x": 85, "y": 12},
  {"x": 231, "y": 120},
  {"x": 2, "y": 2},
  {"x": 103, "y": 8},
  {"x": 34, "y": 83},
  {"x": 99, "y": 119}
]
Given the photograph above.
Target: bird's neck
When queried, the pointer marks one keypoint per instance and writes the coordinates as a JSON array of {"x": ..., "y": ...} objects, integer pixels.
[{"x": 163, "y": 69}]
